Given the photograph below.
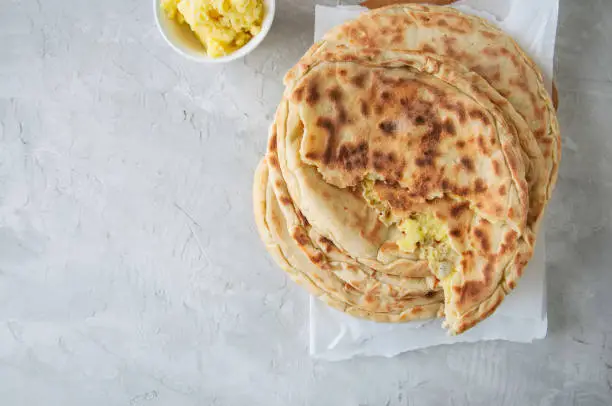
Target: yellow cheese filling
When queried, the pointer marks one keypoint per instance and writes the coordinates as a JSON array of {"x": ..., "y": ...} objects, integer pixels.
[{"x": 222, "y": 26}]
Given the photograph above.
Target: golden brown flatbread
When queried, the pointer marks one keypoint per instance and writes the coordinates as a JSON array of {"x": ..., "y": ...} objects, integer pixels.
[
  {"x": 483, "y": 49},
  {"x": 401, "y": 182}
]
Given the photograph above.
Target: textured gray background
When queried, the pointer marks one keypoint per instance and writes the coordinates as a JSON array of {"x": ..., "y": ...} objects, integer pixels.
[{"x": 130, "y": 269}]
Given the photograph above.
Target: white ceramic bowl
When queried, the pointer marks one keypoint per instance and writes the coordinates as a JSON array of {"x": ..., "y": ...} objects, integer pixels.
[{"x": 184, "y": 41}]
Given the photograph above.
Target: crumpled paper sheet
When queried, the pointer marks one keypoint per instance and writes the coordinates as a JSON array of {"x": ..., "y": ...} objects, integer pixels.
[{"x": 522, "y": 316}]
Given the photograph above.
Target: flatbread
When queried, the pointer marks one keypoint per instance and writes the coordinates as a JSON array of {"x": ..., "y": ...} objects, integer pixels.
[
  {"x": 342, "y": 285},
  {"x": 324, "y": 149},
  {"x": 483, "y": 49},
  {"x": 385, "y": 121}
]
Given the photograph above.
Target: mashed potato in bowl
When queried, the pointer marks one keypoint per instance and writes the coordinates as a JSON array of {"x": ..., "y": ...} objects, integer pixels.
[{"x": 222, "y": 26}]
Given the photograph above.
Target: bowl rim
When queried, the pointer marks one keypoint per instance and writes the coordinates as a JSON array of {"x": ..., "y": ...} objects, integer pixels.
[{"x": 270, "y": 10}]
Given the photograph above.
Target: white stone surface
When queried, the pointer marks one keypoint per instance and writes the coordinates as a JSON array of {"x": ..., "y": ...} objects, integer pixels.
[{"x": 130, "y": 269}]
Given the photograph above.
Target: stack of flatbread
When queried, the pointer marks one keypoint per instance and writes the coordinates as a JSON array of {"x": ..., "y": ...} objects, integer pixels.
[{"x": 408, "y": 167}]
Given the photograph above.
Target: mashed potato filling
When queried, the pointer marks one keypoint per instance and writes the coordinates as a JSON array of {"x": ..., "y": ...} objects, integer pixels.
[
  {"x": 370, "y": 196},
  {"x": 427, "y": 237},
  {"x": 222, "y": 26},
  {"x": 422, "y": 234}
]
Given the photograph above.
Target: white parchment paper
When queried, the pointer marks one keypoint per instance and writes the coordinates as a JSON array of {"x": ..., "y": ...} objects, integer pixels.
[{"x": 522, "y": 316}]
